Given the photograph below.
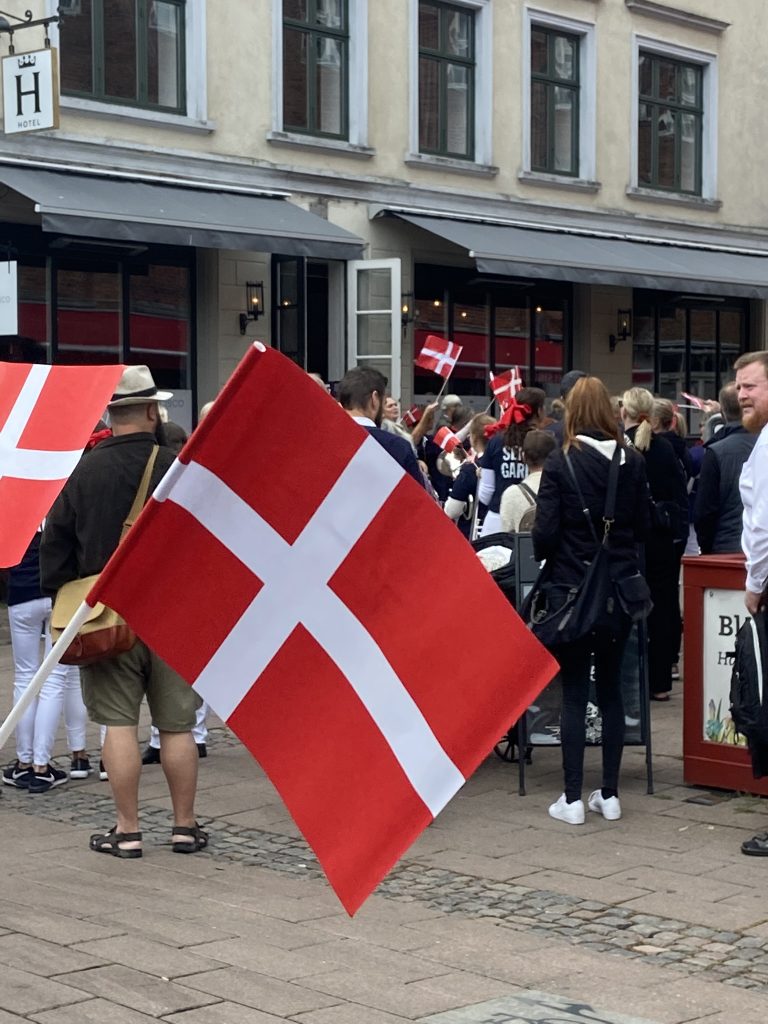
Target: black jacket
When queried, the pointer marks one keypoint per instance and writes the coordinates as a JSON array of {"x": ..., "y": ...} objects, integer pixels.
[
  {"x": 666, "y": 481},
  {"x": 561, "y": 532},
  {"x": 83, "y": 528},
  {"x": 718, "y": 510}
]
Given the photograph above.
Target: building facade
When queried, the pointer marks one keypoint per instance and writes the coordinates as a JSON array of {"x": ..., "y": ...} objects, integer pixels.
[{"x": 551, "y": 183}]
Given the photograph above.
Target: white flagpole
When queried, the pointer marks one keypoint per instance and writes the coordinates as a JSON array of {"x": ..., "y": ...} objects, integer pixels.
[{"x": 50, "y": 662}]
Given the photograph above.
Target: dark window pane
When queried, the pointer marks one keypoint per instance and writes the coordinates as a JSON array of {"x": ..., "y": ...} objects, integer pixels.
[
  {"x": 667, "y": 80},
  {"x": 295, "y": 79},
  {"x": 689, "y": 85},
  {"x": 459, "y": 42},
  {"x": 667, "y": 129},
  {"x": 689, "y": 145},
  {"x": 329, "y": 85},
  {"x": 539, "y": 127},
  {"x": 457, "y": 109},
  {"x": 565, "y": 129},
  {"x": 566, "y": 57},
  {"x": 163, "y": 49},
  {"x": 296, "y": 9},
  {"x": 645, "y": 145},
  {"x": 539, "y": 52},
  {"x": 549, "y": 335},
  {"x": 671, "y": 351},
  {"x": 429, "y": 27},
  {"x": 120, "y": 49},
  {"x": 646, "y": 75},
  {"x": 330, "y": 14},
  {"x": 77, "y": 50},
  {"x": 88, "y": 317},
  {"x": 643, "y": 348},
  {"x": 159, "y": 310},
  {"x": 429, "y": 104}
]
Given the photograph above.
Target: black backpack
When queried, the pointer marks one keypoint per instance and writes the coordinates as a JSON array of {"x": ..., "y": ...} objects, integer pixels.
[{"x": 748, "y": 698}]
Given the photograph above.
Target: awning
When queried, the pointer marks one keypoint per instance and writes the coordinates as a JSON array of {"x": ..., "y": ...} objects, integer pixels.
[
  {"x": 79, "y": 204},
  {"x": 558, "y": 256}
]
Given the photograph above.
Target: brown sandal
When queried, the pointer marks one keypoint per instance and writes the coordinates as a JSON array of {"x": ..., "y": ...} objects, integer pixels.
[
  {"x": 109, "y": 842},
  {"x": 198, "y": 839}
]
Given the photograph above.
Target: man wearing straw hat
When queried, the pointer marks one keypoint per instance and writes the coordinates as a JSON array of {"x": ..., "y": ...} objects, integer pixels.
[{"x": 81, "y": 533}]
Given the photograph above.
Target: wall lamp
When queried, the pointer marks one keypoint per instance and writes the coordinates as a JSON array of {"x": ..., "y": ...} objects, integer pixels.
[
  {"x": 407, "y": 310},
  {"x": 254, "y": 303},
  {"x": 623, "y": 328}
]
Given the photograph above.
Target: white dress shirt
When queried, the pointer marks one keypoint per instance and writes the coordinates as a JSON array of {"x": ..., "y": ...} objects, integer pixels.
[{"x": 753, "y": 486}]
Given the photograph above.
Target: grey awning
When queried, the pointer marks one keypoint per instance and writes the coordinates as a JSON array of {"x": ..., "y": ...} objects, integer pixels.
[
  {"x": 557, "y": 256},
  {"x": 78, "y": 204}
]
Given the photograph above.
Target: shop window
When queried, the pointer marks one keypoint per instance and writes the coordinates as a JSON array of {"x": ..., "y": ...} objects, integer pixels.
[
  {"x": 555, "y": 93},
  {"x": 88, "y": 313},
  {"x": 159, "y": 322},
  {"x": 316, "y": 67},
  {"x": 446, "y": 97},
  {"x": 128, "y": 52},
  {"x": 669, "y": 125}
]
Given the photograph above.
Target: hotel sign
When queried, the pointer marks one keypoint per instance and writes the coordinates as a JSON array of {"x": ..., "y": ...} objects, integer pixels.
[{"x": 30, "y": 92}]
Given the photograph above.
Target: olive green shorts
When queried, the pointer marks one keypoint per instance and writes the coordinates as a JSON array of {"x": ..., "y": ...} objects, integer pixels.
[{"x": 113, "y": 690}]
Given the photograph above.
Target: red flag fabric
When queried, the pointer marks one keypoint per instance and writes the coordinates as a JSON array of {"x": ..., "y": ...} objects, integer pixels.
[
  {"x": 412, "y": 416},
  {"x": 47, "y": 414},
  {"x": 447, "y": 440},
  {"x": 506, "y": 385},
  {"x": 439, "y": 355},
  {"x": 695, "y": 401},
  {"x": 283, "y": 606}
]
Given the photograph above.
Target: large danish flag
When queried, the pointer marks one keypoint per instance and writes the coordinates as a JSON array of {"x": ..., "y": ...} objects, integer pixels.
[
  {"x": 439, "y": 355},
  {"x": 277, "y": 592},
  {"x": 47, "y": 414}
]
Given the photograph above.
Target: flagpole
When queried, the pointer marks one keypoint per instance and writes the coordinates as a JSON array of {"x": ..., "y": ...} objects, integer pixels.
[{"x": 50, "y": 662}]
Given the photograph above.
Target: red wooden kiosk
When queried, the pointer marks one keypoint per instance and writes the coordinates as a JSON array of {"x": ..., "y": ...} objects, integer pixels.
[{"x": 714, "y": 610}]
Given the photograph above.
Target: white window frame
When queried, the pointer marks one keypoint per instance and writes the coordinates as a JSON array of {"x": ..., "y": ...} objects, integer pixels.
[
  {"x": 586, "y": 31},
  {"x": 707, "y": 61},
  {"x": 483, "y": 113},
  {"x": 195, "y": 54},
  {"x": 357, "y": 101},
  {"x": 394, "y": 265}
]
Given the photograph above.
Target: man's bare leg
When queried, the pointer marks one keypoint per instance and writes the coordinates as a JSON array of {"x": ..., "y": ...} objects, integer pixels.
[
  {"x": 179, "y": 760},
  {"x": 122, "y": 760}
]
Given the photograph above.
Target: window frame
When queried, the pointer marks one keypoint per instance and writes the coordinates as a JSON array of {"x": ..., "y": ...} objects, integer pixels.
[
  {"x": 193, "y": 53},
  {"x": 585, "y": 31},
  {"x": 551, "y": 83},
  {"x": 356, "y": 84},
  {"x": 482, "y": 112},
  {"x": 314, "y": 33},
  {"x": 444, "y": 59},
  {"x": 656, "y": 104},
  {"x": 707, "y": 61}
]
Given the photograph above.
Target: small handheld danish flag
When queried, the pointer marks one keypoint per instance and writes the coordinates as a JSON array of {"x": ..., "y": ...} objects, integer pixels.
[
  {"x": 506, "y": 385},
  {"x": 447, "y": 440},
  {"x": 439, "y": 355}
]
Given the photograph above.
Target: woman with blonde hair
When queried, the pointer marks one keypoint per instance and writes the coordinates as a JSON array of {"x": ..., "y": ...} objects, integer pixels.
[
  {"x": 567, "y": 532},
  {"x": 666, "y": 540}
]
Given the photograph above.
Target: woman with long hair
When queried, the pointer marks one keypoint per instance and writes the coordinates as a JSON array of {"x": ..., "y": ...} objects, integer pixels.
[
  {"x": 568, "y": 529},
  {"x": 503, "y": 463},
  {"x": 666, "y": 539}
]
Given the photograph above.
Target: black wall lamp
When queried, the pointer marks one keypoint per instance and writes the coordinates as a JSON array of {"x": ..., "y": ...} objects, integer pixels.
[
  {"x": 623, "y": 328},
  {"x": 254, "y": 303},
  {"x": 407, "y": 308}
]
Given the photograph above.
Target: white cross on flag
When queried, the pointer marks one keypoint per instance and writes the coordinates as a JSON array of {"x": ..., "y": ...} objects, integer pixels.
[
  {"x": 447, "y": 440},
  {"x": 506, "y": 385},
  {"x": 283, "y": 604},
  {"x": 439, "y": 355},
  {"x": 47, "y": 414}
]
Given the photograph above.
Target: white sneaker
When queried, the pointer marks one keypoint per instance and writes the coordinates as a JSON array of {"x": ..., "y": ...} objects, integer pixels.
[
  {"x": 571, "y": 814},
  {"x": 609, "y": 808}
]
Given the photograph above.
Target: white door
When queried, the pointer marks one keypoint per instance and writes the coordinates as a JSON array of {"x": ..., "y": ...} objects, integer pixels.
[{"x": 374, "y": 317}]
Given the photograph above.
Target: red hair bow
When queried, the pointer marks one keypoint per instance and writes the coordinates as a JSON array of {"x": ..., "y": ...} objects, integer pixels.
[{"x": 516, "y": 412}]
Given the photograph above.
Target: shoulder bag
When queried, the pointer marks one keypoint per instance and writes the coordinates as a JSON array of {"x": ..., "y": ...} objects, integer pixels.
[{"x": 104, "y": 633}]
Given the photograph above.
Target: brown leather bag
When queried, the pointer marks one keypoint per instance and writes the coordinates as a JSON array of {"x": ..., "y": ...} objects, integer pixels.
[{"x": 104, "y": 633}]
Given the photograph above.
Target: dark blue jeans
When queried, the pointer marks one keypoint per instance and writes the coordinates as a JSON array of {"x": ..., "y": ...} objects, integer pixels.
[{"x": 575, "y": 660}]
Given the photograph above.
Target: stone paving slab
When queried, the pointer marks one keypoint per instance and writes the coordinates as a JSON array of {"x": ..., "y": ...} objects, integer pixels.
[
  {"x": 147, "y": 956},
  {"x": 259, "y": 991},
  {"x": 228, "y": 1013},
  {"x": 94, "y": 1011},
  {"x": 137, "y": 990},
  {"x": 44, "y": 958},
  {"x": 348, "y": 1014},
  {"x": 23, "y": 993}
]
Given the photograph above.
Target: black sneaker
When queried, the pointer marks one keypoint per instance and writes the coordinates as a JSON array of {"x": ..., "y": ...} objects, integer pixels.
[
  {"x": 51, "y": 777},
  {"x": 79, "y": 768},
  {"x": 202, "y": 750},
  {"x": 15, "y": 775},
  {"x": 151, "y": 755}
]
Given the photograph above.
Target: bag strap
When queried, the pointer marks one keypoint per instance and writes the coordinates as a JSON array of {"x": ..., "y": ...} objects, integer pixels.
[
  {"x": 610, "y": 500},
  {"x": 141, "y": 494},
  {"x": 529, "y": 493}
]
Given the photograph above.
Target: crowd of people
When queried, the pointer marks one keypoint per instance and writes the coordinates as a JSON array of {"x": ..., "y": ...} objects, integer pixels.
[{"x": 578, "y": 472}]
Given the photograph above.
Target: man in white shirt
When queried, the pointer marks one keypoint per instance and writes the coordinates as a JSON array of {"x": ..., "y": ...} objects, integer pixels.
[{"x": 752, "y": 389}]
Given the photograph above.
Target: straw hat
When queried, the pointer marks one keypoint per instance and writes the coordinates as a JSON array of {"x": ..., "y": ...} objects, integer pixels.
[{"x": 136, "y": 387}]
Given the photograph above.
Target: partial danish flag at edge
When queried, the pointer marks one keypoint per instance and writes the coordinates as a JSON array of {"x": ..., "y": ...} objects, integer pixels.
[
  {"x": 283, "y": 606},
  {"x": 506, "y": 385},
  {"x": 47, "y": 414},
  {"x": 439, "y": 355},
  {"x": 412, "y": 416},
  {"x": 447, "y": 440}
]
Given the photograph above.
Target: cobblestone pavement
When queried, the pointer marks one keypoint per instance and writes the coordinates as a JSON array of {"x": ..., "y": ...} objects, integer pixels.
[{"x": 732, "y": 957}]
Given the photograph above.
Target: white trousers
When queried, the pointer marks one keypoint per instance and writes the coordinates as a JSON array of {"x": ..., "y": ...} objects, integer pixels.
[
  {"x": 36, "y": 732},
  {"x": 199, "y": 733}
]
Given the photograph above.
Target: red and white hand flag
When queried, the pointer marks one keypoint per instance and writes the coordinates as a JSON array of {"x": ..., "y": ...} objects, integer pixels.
[
  {"x": 47, "y": 414},
  {"x": 412, "y": 416},
  {"x": 447, "y": 440},
  {"x": 283, "y": 607},
  {"x": 696, "y": 402},
  {"x": 506, "y": 385},
  {"x": 439, "y": 355}
]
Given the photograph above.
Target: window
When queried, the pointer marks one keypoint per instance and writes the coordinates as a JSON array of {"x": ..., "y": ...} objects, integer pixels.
[
  {"x": 554, "y": 101},
  {"x": 316, "y": 67},
  {"x": 670, "y": 123},
  {"x": 446, "y": 35},
  {"x": 128, "y": 52}
]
